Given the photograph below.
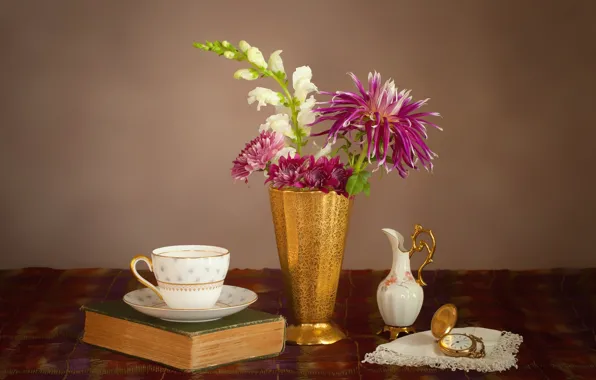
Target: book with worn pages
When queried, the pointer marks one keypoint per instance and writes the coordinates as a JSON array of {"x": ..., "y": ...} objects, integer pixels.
[{"x": 247, "y": 335}]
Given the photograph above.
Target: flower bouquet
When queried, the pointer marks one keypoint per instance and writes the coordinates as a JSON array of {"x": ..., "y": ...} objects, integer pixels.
[{"x": 311, "y": 193}]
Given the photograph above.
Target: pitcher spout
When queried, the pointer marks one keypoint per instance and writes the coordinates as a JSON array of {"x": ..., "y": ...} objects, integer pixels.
[{"x": 395, "y": 239}]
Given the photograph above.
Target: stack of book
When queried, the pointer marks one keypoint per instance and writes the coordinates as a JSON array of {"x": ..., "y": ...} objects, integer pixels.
[{"x": 247, "y": 335}]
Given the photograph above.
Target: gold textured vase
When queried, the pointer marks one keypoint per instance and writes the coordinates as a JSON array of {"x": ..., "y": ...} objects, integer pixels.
[{"x": 310, "y": 231}]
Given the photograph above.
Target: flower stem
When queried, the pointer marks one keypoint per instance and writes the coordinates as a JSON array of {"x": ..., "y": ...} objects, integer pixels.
[
  {"x": 290, "y": 101},
  {"x": 294, "y": 114},
  {"x": 361, "y": 158},
  {"x": 222, "y": 47}
]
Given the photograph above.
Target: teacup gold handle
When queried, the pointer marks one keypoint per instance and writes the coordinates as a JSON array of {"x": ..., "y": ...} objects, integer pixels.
[
  {"x": 418, "y": 229},
  {"x": 133, "y": 268}
]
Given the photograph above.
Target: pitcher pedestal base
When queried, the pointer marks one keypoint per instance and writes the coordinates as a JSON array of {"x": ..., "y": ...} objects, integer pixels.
[
  {"x": 395, "y": 331},
  {"x": 307, "y": 334}
]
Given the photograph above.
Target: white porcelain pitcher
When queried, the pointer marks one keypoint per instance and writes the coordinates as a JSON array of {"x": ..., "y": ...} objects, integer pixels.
[{"x": 399, "y": 295}]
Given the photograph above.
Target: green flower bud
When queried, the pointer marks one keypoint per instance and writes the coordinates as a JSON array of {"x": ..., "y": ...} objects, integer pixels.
[
  {"x": 246, "y": 74},
  {"x": 201, "y": 46}
]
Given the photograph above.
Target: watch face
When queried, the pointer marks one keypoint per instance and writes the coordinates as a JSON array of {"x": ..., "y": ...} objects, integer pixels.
[{"x": 458, "y": 342}]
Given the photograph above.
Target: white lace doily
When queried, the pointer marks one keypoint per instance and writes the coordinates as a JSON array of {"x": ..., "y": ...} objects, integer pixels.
[{"x": 421, "y": 349}]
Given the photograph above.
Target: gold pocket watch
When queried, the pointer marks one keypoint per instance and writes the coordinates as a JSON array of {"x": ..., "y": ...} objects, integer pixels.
[{"x": 454, "y": 345}]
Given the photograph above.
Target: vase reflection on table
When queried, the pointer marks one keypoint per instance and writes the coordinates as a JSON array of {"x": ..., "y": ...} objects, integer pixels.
[{"x": 379, "y": 128}]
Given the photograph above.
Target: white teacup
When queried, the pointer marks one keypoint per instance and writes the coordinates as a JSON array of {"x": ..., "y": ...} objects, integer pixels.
[{"x": 188, "y": 276}]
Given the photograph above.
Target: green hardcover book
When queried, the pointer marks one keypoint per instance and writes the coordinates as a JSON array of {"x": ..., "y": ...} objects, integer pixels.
[{"x": 247, "y": 335}]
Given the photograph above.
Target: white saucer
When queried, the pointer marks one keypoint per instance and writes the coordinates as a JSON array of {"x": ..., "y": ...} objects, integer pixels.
[{"x": 232, "y": 300}]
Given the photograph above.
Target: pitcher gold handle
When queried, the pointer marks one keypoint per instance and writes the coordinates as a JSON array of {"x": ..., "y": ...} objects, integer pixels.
[{"x": 418, "y": 229}]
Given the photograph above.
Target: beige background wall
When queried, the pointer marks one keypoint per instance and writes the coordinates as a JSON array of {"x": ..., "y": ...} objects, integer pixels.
[{"x": 117, "y": 136}]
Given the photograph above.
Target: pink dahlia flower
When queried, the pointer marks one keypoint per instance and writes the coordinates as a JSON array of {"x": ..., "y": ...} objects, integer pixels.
[
  {"x": 257, "y": 154},
  {"x": 289, "y": 172},
  {"x": 389, "y": 119}
]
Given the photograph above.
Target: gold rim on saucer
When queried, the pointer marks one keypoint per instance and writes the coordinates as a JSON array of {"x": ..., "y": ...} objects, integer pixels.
[{"x": 204, "y": 309}]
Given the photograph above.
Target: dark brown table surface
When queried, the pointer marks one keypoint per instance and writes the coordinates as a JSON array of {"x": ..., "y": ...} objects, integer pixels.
[{"x": 554, "y": 311}]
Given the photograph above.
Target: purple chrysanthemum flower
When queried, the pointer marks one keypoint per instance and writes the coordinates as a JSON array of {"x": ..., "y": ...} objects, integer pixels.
[
  {"x": 256, "y": 154},
  {"x": 327, "y": 174},
  {"x": 288, "y": 172},
  {"x": 387, "y": 117},
  {"x": 341, "y": 174},
  {"x": 319, "y": 176}
]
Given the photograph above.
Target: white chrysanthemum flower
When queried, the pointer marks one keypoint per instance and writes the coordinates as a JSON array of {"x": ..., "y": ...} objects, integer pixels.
[
  {"x": 279, "y": 123},
  {"x": 275, "y": 62},
  {"x": 301, "y": 82},
  {"x": 264, "y": 96},
  {"x": 247, "y": 74},
  {"x": 255, "y": 56},
  {"x": 244, "y": 46}
]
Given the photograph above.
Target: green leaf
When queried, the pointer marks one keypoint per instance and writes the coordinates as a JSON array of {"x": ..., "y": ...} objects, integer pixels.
[
  {"x": 354, "y": 186},
  {"x": 358, "y": 182},
  {"x": 367, "y": 189}
]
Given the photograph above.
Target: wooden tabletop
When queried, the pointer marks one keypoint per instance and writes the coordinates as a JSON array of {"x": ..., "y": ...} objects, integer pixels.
[{"x": 554, "y": 311}]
